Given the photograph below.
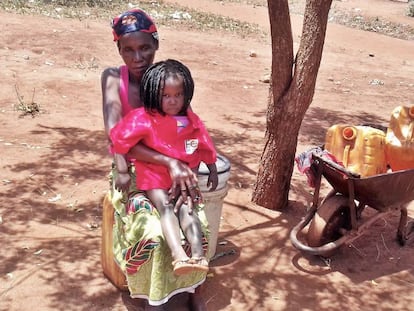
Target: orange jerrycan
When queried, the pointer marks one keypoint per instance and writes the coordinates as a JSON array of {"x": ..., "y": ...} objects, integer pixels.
[
  {"x": 361, "y": 149},
  {"x": 399, "y": 141},
  {"x": 110, "y": 268}
]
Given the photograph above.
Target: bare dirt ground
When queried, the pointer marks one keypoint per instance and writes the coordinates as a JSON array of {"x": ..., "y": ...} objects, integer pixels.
[{"x": 54, "y": 165}]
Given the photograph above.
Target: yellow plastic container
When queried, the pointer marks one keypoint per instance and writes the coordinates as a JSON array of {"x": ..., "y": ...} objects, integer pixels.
[
  {"x": 399, "y": 141},
  {"x": 110, "y": 268},
  {"x": 360, "y": 148}
]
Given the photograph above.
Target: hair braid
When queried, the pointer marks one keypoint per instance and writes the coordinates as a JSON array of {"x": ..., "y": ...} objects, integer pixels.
[{"x": 152, "y": 84}]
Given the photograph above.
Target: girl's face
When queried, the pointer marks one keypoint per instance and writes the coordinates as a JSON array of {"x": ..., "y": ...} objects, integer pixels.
[
  {"x": 137, "y": 49},
  {"x": 173, "y": 95}
]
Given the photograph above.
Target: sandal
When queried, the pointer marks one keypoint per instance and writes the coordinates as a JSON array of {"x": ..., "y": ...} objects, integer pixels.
[
  {"x": 182, "y": 266},
  {"x": 199, "y": 263}
]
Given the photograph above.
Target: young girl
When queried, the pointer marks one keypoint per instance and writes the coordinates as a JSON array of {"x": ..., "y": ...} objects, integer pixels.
[{"x": 167, "y": 125}]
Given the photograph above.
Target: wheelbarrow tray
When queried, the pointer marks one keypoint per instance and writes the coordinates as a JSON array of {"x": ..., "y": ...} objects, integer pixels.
[{"x": 380, "y": 192}]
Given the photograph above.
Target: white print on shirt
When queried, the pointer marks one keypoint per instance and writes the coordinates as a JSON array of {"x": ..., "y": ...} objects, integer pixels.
[{"x": 191, "y": 145}]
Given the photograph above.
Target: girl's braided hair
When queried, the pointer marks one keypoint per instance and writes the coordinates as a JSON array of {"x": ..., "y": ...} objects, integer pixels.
[{"x": 152, "y": 84}]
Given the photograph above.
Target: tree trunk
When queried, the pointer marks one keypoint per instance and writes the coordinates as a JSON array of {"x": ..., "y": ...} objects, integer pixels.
[
  {"x": 289, "y": 96},
  {"x": 410, "y": 8}
]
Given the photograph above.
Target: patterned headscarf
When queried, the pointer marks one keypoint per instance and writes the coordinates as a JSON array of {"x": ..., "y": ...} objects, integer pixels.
[{"x": 131, "y": 21}]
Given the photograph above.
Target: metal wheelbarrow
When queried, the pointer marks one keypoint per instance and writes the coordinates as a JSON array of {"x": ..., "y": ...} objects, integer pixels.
[{"x": 337, "y": 220}]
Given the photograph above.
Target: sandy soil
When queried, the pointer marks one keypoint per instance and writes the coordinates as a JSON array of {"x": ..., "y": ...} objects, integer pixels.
[{"x": 54, "y": 165}]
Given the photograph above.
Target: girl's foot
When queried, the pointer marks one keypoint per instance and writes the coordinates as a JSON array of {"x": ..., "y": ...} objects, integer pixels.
[
  {"x": 182, "y": 266},
  {"x": 199, "y": 263}
]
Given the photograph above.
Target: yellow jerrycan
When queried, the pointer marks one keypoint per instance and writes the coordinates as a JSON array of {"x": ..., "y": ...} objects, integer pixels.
[
  {"x": 110, "y": 268},
  {"x": 360, "y": 148},
  {"x": 399, "y": 141}
]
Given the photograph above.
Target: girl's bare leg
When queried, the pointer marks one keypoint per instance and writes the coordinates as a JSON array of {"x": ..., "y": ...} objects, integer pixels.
[
  {"x": 191, "y": 226},
  {"x": 169, "y": 223}
]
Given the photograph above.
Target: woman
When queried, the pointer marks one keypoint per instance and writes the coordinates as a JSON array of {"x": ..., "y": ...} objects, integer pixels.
[{"x": 139, "y": 247}]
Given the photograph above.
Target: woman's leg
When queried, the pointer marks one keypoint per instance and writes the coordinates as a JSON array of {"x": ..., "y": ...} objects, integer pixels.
[
  {"x": 148, "y": 307},
  {"x": 197, "y": 301},
  {"x": 169, "y": 223}
]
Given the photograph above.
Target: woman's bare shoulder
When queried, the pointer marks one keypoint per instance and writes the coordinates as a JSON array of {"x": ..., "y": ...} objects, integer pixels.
[{"x": 113, "y": 72}]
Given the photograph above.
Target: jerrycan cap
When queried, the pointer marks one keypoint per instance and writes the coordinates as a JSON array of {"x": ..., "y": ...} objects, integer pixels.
[
  {"x": 349, "y": 133},
  {"x": 411, "y": 112}
]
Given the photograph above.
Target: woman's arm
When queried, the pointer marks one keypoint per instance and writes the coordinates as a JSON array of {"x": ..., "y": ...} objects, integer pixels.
[
  {"x": 112, "y": 113},
  {"x": 183, "y": 178},
  {"x": 111, "y": 101},
  {"x": 180, "y": 172}
]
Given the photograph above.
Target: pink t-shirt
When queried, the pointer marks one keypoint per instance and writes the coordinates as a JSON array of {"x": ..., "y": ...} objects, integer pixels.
[{"x": 191, "y": 145}]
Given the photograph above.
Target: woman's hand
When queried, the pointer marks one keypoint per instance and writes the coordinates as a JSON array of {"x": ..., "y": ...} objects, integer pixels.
[
  {"x": 184, "y": 189},
  {"x": 187, "y": 199},
  {"x": 122, "y": 182},
  {"x": 184, "y": 180}
]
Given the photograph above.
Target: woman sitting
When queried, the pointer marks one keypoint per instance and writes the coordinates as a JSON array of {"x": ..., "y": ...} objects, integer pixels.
[{"x": 139, "y": 245}]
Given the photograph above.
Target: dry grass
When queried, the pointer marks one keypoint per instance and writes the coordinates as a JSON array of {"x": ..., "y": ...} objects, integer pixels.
[
  {"x": 373, "y": 24},
  {"x": 101, "y": 9},
  {"x": 188, "y": 18},
  {"x": 26, "y": 108}
]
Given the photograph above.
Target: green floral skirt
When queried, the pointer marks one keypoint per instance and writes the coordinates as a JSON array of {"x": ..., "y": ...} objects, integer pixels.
[{"x": 142, "y": 252}]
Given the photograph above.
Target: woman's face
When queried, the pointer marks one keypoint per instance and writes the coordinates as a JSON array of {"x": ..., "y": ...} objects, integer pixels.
[
  {"x": 137, "y": 49},
  {"x": 173, "y": 95}
]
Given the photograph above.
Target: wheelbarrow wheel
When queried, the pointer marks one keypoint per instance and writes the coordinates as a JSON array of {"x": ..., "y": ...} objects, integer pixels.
[{"x": 331, "y": 216}]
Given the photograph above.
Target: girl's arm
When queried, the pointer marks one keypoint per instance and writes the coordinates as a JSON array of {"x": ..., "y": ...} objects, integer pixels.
[{"x": 212, "y": 180}]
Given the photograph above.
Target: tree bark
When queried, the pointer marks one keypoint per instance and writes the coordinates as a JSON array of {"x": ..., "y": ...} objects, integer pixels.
[
  {"x": 291, "y": 91},
  {"x": 410, "y": 8}
]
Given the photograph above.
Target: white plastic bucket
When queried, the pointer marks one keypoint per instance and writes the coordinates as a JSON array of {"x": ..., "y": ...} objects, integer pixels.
[{"x": 214, "y": 200}]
